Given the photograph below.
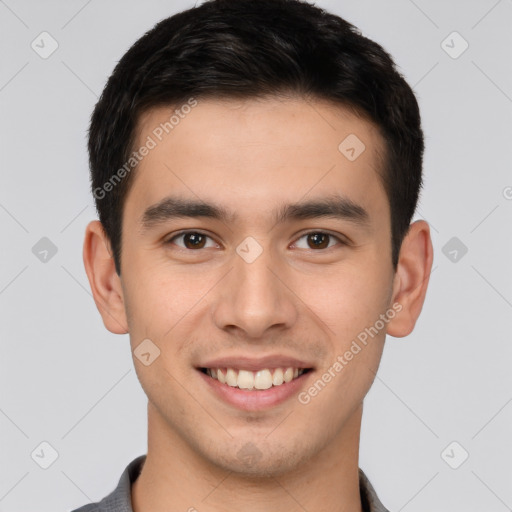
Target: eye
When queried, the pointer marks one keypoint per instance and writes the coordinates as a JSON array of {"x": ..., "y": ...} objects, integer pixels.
[
  {"x": 318, "y": 240},
  {"x": 191, "y": 240},
  {"x": 194, "y": 240}
]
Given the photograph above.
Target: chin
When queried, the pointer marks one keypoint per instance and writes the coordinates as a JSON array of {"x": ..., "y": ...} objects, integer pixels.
[{"x": 263, "y": 460}]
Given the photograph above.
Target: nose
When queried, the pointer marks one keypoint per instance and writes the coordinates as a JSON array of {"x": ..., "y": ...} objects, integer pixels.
[{"x": 254, "y": 298}]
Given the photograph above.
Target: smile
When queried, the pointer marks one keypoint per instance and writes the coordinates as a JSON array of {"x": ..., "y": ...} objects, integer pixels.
[
  {"x": 254, "y": 380},
  {"x": 256, "y": 390}
]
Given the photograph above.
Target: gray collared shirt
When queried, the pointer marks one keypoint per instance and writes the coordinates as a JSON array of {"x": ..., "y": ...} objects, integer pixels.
[{"x": 120, "y": 500}]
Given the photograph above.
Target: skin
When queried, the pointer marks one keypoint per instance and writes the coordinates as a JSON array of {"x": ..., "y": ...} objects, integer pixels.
[{"x": 251, "y": 157}]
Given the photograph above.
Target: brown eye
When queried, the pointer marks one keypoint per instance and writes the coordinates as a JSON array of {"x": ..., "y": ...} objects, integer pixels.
[
  {"x": 318, "y": 240},
  {"x": 194, "y": 240},
  {"x": 191, "y": 240}
]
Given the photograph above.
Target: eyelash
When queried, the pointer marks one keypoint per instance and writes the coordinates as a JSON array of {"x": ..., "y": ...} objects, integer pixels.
[{"x": 316, "y": 232}]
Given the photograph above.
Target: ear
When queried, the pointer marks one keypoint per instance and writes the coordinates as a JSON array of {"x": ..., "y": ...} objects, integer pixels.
[
  {"x": 411, "y": 278},
  {"x": 105, "y": 283}
]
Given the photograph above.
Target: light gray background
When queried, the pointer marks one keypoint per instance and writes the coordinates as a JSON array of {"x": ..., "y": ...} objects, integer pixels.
[{"x": 67, "y": 381}]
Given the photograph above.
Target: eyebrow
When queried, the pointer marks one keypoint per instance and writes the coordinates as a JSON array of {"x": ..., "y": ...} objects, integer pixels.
[{"x": 333, "y": 206}]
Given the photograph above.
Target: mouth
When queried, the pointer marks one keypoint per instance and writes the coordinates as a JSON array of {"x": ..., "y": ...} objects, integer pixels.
[
  {"x": 255, "y": 390},
  {"x": 259, "y": 380}
]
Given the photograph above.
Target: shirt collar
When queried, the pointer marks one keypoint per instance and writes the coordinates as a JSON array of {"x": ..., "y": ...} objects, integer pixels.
[{"x": 119, "y": 500}]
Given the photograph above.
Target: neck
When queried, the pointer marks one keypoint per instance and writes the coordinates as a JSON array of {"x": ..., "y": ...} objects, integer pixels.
[{"x": 175, "y": 477}]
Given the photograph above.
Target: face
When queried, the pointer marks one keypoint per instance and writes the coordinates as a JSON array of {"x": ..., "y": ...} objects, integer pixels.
[{"x": 285, "y": 262}]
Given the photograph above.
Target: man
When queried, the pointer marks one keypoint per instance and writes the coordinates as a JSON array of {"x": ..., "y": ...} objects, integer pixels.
[{"x": 256, "y": 165}]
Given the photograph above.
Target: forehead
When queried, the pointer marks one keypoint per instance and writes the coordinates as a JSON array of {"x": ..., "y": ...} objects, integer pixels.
[{"x": 253, "y": 153}]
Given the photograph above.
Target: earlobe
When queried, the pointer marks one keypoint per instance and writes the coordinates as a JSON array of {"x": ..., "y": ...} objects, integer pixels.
[
  {"x": 411, "y": 278},
  {"x": 103, "y": 279}
]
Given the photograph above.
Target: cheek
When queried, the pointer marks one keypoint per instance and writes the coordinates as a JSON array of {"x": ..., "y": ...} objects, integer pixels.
[
  {"x": 347, "y": 299},
  {"x": 161, "y": 303}
]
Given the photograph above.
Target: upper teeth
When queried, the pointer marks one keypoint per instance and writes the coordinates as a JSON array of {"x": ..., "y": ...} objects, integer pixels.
[{"x": 261, "y": 379}]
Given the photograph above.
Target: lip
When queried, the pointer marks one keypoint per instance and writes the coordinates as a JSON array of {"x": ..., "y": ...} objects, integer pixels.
[
  {"x": 254, "y": 364},
  {"x": 255, "y": 400}
]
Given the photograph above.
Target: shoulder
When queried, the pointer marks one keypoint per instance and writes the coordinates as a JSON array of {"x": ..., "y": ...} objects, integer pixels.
[
  {"x": 91, "y": 507},
  {"x": 369, "y": 499},
  {"x": 119, "y": 500}
]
